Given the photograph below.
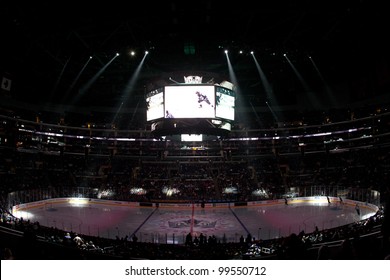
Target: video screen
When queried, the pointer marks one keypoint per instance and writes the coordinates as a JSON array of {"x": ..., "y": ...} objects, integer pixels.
[
  {"x": 224, "y": 103},
  {"x": 155, "y": 105},
  {"x": 195, "y": 101},
  {"x": 191, "y": 137}
]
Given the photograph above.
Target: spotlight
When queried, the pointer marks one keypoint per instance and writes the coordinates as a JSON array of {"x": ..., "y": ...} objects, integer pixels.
[
  {"x": 252, "y": 52},
  {"x": 226, "y": 51},
  {"x": 117, "y": 54},
  {"x": 146, "y": 52}
]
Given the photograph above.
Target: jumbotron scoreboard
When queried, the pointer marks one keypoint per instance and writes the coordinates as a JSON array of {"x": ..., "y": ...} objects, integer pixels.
[{"x": 193, "y": 108}]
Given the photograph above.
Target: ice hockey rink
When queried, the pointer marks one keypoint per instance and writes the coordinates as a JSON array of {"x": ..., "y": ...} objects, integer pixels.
[{"x": 170, "y": 223}]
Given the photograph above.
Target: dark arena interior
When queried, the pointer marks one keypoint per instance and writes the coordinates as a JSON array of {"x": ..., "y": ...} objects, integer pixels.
[{"x": 195, "y": 110}]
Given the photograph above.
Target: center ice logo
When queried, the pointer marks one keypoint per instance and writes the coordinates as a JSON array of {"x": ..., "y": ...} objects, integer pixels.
[{"x": 186, "y": 223}]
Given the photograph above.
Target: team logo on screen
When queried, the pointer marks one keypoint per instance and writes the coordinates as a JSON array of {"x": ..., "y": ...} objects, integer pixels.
[{"x": 185, "y": 223}]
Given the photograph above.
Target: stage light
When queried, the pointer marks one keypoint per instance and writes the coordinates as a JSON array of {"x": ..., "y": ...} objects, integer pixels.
[
  {"x": 146, "y": 52},
  {"x": 252, "y": 52},
  {"x": 226, "y": 51},
  {"x": 132, "y": 53},
  {"x": 117, "y": 54}
]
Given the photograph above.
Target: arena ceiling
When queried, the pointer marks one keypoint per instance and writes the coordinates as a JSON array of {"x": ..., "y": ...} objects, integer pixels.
[{"x": 46, "y": 45}]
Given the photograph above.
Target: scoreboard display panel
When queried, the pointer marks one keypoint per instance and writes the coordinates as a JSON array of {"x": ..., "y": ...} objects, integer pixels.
[
  {"x": 190, "y": 108},
  {"x": 189, "y": 101},
  {"x": 155, "y": 105},
  {"x": 224, "y": 103}
]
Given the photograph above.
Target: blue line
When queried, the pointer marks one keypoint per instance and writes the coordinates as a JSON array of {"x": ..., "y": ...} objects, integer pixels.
[
  {"x": 138, "y": 228},
  {"x": 242, "y": 224}
]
